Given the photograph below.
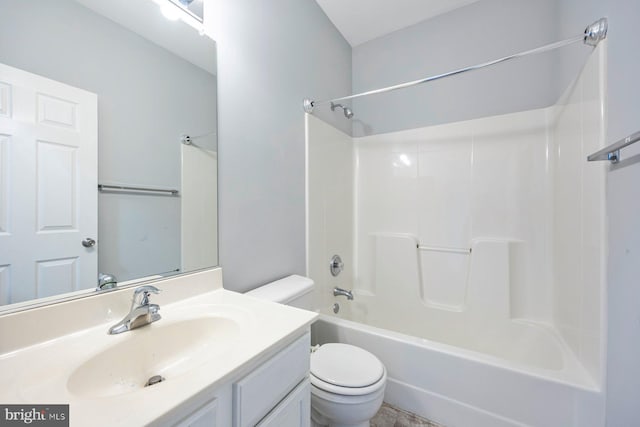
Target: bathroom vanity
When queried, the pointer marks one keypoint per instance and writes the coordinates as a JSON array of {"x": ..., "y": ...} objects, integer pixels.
[
  {"x": 224, "y": 359},
  {"x": 272, "y": 393}
]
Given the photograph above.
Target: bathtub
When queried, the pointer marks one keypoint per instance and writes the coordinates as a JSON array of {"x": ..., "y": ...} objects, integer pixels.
[{"x": 459, "y": 387}]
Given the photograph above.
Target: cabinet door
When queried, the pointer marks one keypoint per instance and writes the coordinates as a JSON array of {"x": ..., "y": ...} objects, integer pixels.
[
  {"x": 258, "y": 393},
  {"x": 293, "y": 411},
  {"x": 203, "y": 417}
]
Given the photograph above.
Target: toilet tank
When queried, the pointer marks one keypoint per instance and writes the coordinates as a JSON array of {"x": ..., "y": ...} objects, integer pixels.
[{"x": 296, "y": 291}]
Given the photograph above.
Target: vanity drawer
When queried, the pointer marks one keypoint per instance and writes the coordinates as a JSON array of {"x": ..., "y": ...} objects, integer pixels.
[
  {"x": 258, "y": 393},
  {"x": 204, "y": 417},
  {"x": 293, "y": 411}
]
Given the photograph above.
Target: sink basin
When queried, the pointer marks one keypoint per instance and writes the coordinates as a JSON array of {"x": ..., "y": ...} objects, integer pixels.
[{"x": 165, "y": 349}]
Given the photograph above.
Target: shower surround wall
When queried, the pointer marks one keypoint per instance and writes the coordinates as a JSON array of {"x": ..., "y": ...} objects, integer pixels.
[
  {"x": 329, "y": 206},
  {"x": 486, "y": 235},
  {"x": 579, "y": 222},
  {"x": 458, "y": 216}
]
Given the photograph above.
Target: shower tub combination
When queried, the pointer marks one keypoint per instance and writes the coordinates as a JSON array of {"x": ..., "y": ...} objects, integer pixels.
[{"x": 486, "y": 303}]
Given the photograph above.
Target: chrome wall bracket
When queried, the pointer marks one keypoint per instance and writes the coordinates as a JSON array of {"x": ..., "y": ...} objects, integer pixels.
[
  {"x": 596, "y": 32},
  {"x": 612, "y": 152},
  {"x": 614, "y": 157},
  {"x": 307, "y": 104}
]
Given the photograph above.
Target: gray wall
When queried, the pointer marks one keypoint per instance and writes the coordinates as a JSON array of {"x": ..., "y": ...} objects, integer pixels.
[
  {"x": 271, "y": 55},
  {"x": 479, "y": 32},
  {"x": 623, "y": 202},
  {"x": 147, "y": 97}
]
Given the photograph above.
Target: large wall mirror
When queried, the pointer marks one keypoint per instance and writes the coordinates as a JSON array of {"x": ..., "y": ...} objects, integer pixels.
[{"x": 108, "y": 148}]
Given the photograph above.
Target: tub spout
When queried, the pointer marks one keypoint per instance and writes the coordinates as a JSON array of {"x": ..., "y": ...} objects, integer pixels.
[{"x": 343, "y": 292}]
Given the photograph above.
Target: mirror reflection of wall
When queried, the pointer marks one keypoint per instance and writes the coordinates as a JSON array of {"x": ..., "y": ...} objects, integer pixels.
[{"x": 147, "y": 98}]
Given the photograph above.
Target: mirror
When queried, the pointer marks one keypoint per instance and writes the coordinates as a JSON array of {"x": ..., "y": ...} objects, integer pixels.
[{"x": 108, "y": 145}]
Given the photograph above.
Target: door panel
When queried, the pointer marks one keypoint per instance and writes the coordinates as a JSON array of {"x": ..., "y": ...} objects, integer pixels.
[
  {"x": 48, "y": 186},
  {"x": 56, "y": 276},
  {"x": 56, "y": 194},
  {"x": 5, "y": 100},
  {"x": 4, "y": 183},
  {"x": 56, "y": 112},
  {"x": 5, "y": 290}
]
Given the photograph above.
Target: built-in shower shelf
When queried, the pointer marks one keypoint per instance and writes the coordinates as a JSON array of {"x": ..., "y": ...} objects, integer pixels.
[{"x": 612, "y": 152}]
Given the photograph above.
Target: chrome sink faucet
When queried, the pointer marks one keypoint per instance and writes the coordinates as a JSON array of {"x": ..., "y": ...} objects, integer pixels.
[
  {"x": 141, "y": 312},
  {"x": 343, "y": 292}
]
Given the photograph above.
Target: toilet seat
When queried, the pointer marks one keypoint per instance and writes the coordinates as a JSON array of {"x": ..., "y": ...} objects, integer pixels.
[
  {"x": 346, "y": 369},
  {"x": 346, "y": 391}
]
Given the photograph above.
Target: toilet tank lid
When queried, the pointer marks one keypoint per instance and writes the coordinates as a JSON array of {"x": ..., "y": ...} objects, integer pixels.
[{"x": 283, "y": 290}]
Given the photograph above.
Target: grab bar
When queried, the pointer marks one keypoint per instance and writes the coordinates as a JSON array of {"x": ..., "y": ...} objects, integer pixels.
[
  {"x": 612, "y": 152},
  {"x": 440, "y": 249},
  {"x": 126, "y": 188}
]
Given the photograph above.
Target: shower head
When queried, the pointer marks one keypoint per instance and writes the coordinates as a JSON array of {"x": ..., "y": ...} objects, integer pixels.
[
  {"x": 346, "y": 110},
  {"x": 348, "y": 113}
]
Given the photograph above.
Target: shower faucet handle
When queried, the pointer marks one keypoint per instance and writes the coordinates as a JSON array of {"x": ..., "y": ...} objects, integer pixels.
[{"x": 336, "y": 265}]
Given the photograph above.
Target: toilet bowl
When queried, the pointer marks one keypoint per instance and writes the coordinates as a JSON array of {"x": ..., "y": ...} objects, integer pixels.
[
  {"x": 347, "y": 382},
  {"x": 347, "y": 386}
]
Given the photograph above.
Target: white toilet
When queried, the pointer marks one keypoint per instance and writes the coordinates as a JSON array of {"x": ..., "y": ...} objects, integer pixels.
[{"x": 347, "y": 382}]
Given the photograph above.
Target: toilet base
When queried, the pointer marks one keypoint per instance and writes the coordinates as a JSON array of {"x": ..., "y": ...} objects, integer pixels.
[
  {"x": 317, "y": 420},
  {"x": 333, "y": 410}
]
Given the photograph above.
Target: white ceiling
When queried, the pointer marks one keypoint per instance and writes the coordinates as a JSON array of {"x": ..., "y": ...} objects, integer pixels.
[{"x": 362, "y": 20}]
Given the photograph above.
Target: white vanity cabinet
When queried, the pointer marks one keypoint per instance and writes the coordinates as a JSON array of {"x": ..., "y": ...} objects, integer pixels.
[
  {"x": 257, "y": 393},
  {"x": 293, "y": 411},
  {"x": 209, "y": 409},
  {"x": 206, "y": 416},
  {"x": 270, "y": 393}
]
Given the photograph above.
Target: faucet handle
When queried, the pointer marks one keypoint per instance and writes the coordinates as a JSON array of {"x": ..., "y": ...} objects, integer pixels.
[{"x": 146, "y": 291}]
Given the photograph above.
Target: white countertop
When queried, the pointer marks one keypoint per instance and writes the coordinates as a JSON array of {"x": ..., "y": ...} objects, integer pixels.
[{"x": 39, "y": 373}]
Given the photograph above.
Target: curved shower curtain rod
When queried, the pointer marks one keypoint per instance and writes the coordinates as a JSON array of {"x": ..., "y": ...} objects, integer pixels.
[{"x": 592, "y": 35}]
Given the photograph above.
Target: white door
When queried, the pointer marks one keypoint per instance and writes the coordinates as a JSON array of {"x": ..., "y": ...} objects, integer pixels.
[{"x": 48, "y": 186}]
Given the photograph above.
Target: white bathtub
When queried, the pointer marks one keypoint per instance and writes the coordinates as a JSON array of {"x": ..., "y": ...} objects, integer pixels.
[
  {"x": 477, "y": 265},
  {"x": 463, "y": 388}
]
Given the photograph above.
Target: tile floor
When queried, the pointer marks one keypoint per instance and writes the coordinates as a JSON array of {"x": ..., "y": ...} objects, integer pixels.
[{"x": 390, "y": 416}]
